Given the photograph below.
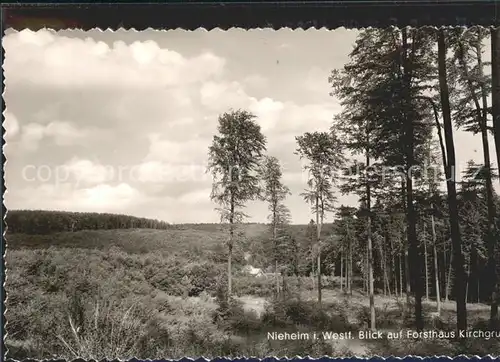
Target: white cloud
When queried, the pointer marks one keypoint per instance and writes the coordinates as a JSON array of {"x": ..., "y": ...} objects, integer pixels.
[
  {"x": 298, "y": 177},
  {"x": 316, "y": 81},
  {"x": 255, "y": 80},
  {"x": 267, "y": 112},
  {"x": 196, "y": 197},
  {"x": 220, "y": 96},
  {"x": 161, "y": 172},
  {"x": 274, "y": 116},
  {"x": 192, "y": 152},
  {"x": 147, "y": 175},
  {"x": 32, "y": 133},
  {"x": 223, "y": 96},
  {"x": 47, "y": 58},
  {"x": 288, "y": 118},
  {"x": 11, "y": 125},
  {"x": 104, "y": 196},
  {"x": 181, "y": 122},
  {"x": 153, "y": 172},
  {"x": 64, "y": 196},
  {"x": 62, "y": 133},
  {"x": 88, "y": 172}
]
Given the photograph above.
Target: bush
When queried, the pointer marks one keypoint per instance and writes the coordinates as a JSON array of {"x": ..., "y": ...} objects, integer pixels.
[
  {"x": 202, "y": 277},
  {"x": 282, "y": 313},
  {"x": 100, "y": 329},
  {"x": 176, "y": 277},
  {"x": 251, "y": 285},
  {"x": 230, "y": 315},
  {"x": 363, "y": 317},
  {"x": 275, "y": 315}
]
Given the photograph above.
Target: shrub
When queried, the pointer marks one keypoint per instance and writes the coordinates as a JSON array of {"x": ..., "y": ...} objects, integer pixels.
[
  {"x": 103, "y": 329},
  {"x": 251, "y": 285},
  {"x": 202, "y": 277},
  {"x": 282, "y": 313},
  {"x": 33, "y": 324},
  {"x": 363, "y": 317},
  {"x": 231, "y": 317},
  {"x": 275, "y": 315},
  {"x": 176, "y": 277}
]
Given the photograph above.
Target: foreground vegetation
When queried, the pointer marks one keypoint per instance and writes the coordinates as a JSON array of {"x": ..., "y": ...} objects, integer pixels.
[{"x": 160, "y": 293}]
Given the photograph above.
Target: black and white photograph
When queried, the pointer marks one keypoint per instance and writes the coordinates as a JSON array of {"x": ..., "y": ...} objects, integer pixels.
[{"x": 252, "y": 193}]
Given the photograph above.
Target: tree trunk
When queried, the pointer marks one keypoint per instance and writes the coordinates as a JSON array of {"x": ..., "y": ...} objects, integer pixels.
[
  {"x": 313, "y": 276},
  {"x": 407, "y": 276},
  {"x": 284, "y": 289},
  {"x": 349, "y": 285},
  {"x": 275, "y": 242},
  {"x": 478, "y": 285},
  {"x": 493, "y": 247},
  {"x": 414, "y": 254},
  {"x": 230, "y": 255},
  {"x": 383, "y": 263},
  {"x": 450, "y": 170},
  {"x": 387, "y": 281},
  {"x": 381, "y": 255},
  {"x": 386, "y": 274},
  {"x": 393, "y": 269},
  {"x": 319, "y": 277},
  {"x": 341, "y": 272},
  {"x": 318, "y": 241},
  {"x": 481, "y": 115},
  {"x": 276, "y": 277},
  {"x": 478, "y": 291},
  {"x": 444, "y": 270},
  {"x": 370, "y": 247},
  {"x": 400, "y": 274},
  {"x": 313, "y": 268},
  {"x": 495, "y": 87},
  {"x": 365, "y": 276},
  {"x": 405, "y": 247},
  {"x": 426, "y": 266},
  {"x": 230, "y": 249},
  {"x": 467, "y": 280},
  {"x": 436, "y": 265},
  {"x": 433, "y": 224},
  {"x": 346, "y": 271},
  {"x": 475, "y": 263},
  {"x": 448, "y": 279}
]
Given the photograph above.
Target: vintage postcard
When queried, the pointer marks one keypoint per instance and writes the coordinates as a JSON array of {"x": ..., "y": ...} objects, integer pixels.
[{"x": 252, "y": 193}]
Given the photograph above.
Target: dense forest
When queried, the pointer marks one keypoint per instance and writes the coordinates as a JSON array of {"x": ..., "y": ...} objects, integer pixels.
[
  {"x": 46, "y": 222},
  {"x": 421, "y": 229}
]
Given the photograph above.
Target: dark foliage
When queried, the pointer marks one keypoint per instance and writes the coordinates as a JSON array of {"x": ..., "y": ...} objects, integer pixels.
[{"x": 39, "y": 222}]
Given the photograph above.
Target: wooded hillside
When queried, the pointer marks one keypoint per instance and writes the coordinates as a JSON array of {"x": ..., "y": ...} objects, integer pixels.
[{"x": 46, "y": 222}]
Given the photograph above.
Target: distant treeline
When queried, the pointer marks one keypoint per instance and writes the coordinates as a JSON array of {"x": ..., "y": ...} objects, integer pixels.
[{"x": 46, "y": 222}]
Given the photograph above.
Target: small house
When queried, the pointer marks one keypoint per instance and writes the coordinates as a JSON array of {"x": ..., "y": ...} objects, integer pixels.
[{"x": 257, "y": 272}]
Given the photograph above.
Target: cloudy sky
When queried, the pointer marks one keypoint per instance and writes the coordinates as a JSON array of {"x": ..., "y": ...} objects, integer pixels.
[{"x": 121, "y": 121}]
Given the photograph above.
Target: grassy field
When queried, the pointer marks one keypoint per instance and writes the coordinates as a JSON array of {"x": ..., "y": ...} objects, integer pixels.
[{"x": 156, "y": 293}]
